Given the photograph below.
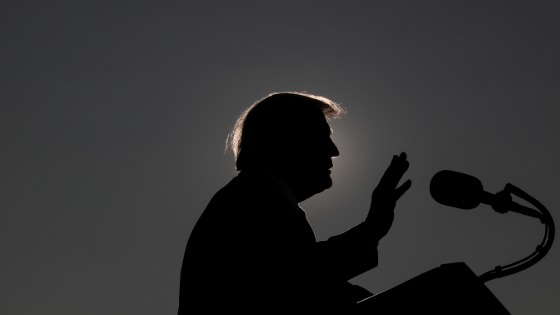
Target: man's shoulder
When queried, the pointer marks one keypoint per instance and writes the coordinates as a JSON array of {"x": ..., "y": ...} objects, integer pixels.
[
  {"x": 246, "y": 204},
  {"x": 247, "y": 187},
  {"x": 249, "y": 194}
]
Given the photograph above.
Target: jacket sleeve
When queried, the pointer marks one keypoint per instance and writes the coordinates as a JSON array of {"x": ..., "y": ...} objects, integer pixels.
[{"x": 346, "y": 255}]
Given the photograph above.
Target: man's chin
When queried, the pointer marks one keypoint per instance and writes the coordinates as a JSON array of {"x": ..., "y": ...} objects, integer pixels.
[
  {"x": 315, "y": 185},
  {"x": 328, "y": 182},
  {"x": 324, "y": 183}
]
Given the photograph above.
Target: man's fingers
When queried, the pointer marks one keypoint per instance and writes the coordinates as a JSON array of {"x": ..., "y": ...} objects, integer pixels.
[
  {"x": 392, "y": 176},
  {"x": 402, "y": 189}
]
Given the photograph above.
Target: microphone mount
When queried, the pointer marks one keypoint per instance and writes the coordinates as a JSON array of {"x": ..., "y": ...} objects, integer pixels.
[{"x": 502, "y": 202}]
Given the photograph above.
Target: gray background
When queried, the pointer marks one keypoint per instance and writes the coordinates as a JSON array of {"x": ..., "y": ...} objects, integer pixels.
[{"x": 114, "y": 116}]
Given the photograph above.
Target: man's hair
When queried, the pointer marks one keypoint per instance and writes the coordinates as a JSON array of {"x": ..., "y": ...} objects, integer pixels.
[{"x": 264, "y": 128}]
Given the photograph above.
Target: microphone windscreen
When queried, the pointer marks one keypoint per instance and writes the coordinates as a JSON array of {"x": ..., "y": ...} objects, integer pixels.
[{"x": 456, "y": 189}]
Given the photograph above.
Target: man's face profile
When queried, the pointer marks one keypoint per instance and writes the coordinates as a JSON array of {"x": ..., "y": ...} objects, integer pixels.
[{"x": 307, "y": 157}]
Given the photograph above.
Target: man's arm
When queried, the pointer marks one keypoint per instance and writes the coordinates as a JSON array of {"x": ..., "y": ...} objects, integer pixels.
[
  {"x": 349, "y": 254},
  {"x": 355, "y": 251}
]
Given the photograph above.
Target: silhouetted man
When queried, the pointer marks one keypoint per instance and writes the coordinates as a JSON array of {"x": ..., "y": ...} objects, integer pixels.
[{"x": 253, "y": 250}]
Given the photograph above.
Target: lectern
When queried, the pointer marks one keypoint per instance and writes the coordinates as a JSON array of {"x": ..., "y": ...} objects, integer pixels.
[{"x": 451, "y": 289}]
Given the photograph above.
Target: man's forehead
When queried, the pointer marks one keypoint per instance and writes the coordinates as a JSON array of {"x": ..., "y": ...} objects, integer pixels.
[{"x": 315, "y": 125}]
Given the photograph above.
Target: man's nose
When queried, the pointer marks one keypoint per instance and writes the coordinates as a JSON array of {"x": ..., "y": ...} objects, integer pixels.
[{"x": 333, "y": 149}]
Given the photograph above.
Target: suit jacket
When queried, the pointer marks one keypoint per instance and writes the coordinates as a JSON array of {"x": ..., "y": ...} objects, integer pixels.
[{"x": 253, "y": 251}]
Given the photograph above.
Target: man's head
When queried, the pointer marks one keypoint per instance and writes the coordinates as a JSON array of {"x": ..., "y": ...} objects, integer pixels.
[{"x": 287, "y": 134}]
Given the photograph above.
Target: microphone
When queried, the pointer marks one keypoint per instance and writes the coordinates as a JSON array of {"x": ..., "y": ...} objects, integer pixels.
[{"x": 464, "y": 191}]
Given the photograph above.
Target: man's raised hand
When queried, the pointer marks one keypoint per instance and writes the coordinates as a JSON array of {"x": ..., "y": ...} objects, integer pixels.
[{"x": 385, "y": 195}]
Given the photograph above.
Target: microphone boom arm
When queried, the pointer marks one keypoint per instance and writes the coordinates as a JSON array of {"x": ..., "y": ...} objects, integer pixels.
[{"x": 502, "y": 203}]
